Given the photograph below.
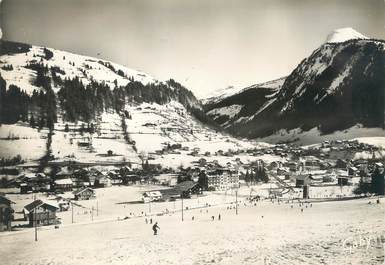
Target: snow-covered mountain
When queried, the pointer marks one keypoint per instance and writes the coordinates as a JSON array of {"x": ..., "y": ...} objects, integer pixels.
[
  {"x": 245, "y": 102},
  {"x": 344, "y": 34},
  {"x": 341, "y": 84},
  {"x": 58, "y": 106},
  {"x": 222, "y": 93}
]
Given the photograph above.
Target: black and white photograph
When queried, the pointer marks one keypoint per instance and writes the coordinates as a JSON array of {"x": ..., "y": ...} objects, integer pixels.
[{"x": 192, "y": 132}]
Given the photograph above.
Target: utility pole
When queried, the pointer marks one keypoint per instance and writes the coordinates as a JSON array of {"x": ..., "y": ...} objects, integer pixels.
[
  {"x": 182, "y": 205},
  {"x": 236, "y": 202},
  {"x": 35, "y": 222},
  {"x": 97, "y": 208},
  {"x": 72, "y": 210},
  {"x": 149, "y": 206},
  {"x": 92, "y": 213}
]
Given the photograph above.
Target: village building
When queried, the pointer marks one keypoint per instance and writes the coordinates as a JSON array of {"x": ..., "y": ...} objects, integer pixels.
[
  {"x": 343, "y": 180},
  {"x": 274, "y": 165},
  {"x": 222, "y": 179},
  {"x": 115, "y": 177},
  {"x": 41, "y": 183},
  {"x": 187, "y": 188},
  {"x": 292, "y": 166},
  {"x": 63, "y": 204},
  {"x": 63, "y": 184},
  {"x": 102, "y": 180},
  {"x": 341, "y": 163},
  {"x": 303, "y": 180},
  {"x": 84, "y": 194},
  {"x": 25, "y": 188},
  {"x": 150, "y": 196},
  {"x": 353, "y": 171},
  {"x": 65, "y": 172},
  {"x": 6, "y": 213},
  {"x": 40, "y": 213}
]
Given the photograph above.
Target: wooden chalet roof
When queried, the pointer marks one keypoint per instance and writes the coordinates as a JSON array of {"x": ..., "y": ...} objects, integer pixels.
[
  {"x": 81, "y": 190},
  {"x": 185, "y": 186},
  {"x": 5, "y": 200},
  {"x": 37, "y": 203}
]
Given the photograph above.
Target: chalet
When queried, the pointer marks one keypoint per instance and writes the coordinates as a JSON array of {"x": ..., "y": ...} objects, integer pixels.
[
  {"x": 40, "y": 183},
  {"x": 219, "y": 153},
  {"x": 173, "y": 182},
  {"x": 186, "y": 188},
  {"x": 274, "y": 165},
  {"x": 283, "y": 171},
  {"x": 114, "y": 177},
  {"x": 274, "y": 193},
  {"x": 150, "y": 196},
  {"x": 341, "y": 163},
  {"x": 202, "y": 162},
  {"x": 25, "y": 188},
  {"x": 303, "y": 180},
  {"x": 40, "y": 213},
  {"x": 84, "y": 194},
  {"x": 63, "y": 184},
  {"x": 352, "y": 171},
  {"x": 327, "y": 178},
  {"x": 176, "y": 146},
  {"x": 292, "y": 166},
  {"x": 6, "y": 214},
  {"x": 194, "y": 153},
  {"x": 343, "y": 180},
  {"x": 65, "y": 172},
  {"x": 102, "y": 180},
  {"x": 312, "y": 162}
]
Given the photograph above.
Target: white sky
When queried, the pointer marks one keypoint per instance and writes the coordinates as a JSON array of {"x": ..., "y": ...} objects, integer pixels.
[{"x": 204, "y": 44}]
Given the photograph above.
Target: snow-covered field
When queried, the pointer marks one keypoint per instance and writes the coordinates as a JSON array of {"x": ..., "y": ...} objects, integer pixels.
[
  {"x": 349, "y": 232},
  {"x": 15, "y": 138},
  {"x": 151, "y": 127},
  {"x": 314, "y": 135}
]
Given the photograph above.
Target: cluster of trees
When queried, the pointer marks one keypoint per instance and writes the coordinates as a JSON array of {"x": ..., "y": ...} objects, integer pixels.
[
  {"x": 9, "y": 47},
  {"x": 376, "y": 186},
  {"x": 112, "y": 68},
  {"x": 39, "y": 109},
  {"x": 7, "y": 67},
  {"x": 11, "y": 161},
  {"x": 47, "y": 54},
  {"x": 80, "y": 102},
  {"x": 255, "y": 175},
  {"x": 13, "y": 103}
]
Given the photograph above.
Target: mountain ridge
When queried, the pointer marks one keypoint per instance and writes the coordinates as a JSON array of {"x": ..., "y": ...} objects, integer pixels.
[{"x": 329, "y": 90}]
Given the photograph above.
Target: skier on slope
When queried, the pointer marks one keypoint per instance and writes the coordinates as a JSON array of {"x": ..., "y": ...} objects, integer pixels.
[{"x": 155, "y": 228}]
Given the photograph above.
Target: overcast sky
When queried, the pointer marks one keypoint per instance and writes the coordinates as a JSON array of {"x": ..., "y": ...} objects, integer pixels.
[{"x": 204, "y": 44}]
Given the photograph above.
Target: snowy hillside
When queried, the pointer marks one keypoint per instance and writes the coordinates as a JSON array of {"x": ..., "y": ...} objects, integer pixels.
[
  {"x": 243, "y": 104},
  {"x": 85, "y": 110},
  {"x": 71, "y": 65},
  {"x": 217, "y": 95}
]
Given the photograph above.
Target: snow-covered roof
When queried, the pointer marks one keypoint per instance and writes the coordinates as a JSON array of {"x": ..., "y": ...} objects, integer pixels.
[
  {"x": 153, "y": 193},
  {"x": 63, "y": 182},
  {"x": 82, "y": 190},
  {"x": 37, "y": 203}
]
